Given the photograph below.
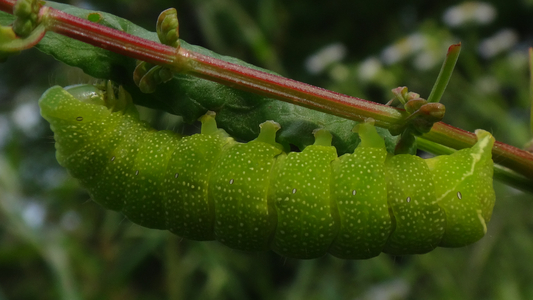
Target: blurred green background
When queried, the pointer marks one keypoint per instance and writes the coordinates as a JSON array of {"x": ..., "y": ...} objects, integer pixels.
[{"x": 57, "y": 244}]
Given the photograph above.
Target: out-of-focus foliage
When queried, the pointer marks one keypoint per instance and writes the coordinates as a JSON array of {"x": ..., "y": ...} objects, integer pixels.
[{"x": 57, "y": 244}]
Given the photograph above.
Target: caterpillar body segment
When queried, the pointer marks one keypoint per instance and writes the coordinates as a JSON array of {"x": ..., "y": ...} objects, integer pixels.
[
  {"x": 239, "y": 187},
  {"x": 119, "y": 178},
  {"x": 184, "y": 187},
  {"x": 143, "y": 203},
  {"x": 465, "y": 174},
  {"x": 418, "y": 221},
  {"x": 253, "y": 196},
  {"x": 359, "y": 190},
  {"x": 306, "y": 225}
]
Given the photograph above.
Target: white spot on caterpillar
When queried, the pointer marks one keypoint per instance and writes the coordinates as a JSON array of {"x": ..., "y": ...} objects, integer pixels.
[
  {"x": 79, "y": 119},
  {"x": 294, "y": 191},
  {"x": 354, "y": 192},
  {"x": 408, "y": 199},
  {"x": 136, "y": 172},
  {"x": 177, "y": 175},
  {"x": 459, "y": 195},
  {"x": 112, "y": 158},
  {"x": 231, "y": 181}
]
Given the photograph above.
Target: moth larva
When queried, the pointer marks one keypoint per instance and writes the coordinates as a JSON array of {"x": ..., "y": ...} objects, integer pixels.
[{"x": 253, "y": 196}]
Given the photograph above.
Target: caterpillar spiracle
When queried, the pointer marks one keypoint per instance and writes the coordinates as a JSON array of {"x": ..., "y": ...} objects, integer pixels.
[{"x": 253, "y": 196}]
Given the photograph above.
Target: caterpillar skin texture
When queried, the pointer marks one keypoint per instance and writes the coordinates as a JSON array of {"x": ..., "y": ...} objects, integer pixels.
[{"x": 253, "y": 196}]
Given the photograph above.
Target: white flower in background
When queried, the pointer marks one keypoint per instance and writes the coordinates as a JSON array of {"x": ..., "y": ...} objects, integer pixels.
[
  {"x": 324, "y": 57},
  {"x": 425, "y": 48},
  {"x": 26, "y": 116},
  {"x": 33, "y": 214},
  {"x": 503, "y": 40},
  {"x": 469, "y": 12},
  {"x": 403, "y": 48},
  {"x": 369, "y": 69}
]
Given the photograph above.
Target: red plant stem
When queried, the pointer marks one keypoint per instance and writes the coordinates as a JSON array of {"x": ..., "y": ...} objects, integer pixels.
[
  {"x": 285, "y": 89},
  {"x": 184, "y": 61},
  {"x": 107, "y": 38},
  {"x": 7, "y": 5}
]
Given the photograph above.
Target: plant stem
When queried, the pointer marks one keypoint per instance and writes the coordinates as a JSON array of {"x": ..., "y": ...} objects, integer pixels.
[
  {"x": 445, "y": 73},
  {"x": 107, "y": 38},
  {"x": 285, "y": 89},
  {"x": 7, "y": 5},
  {"x": 277, "y": 87}
]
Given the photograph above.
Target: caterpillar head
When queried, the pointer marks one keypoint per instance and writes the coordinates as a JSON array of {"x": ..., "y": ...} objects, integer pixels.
[
  {"x": 59, "y": 106},
  {"x": 84, "y": 103},
  {"x": 87, "y": 93}
]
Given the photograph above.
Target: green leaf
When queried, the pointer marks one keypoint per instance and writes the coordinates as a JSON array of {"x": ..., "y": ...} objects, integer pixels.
[{"x": 6, "y": 19}]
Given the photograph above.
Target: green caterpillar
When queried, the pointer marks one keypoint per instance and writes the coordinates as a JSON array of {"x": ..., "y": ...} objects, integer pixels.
[{"x": 253, "y": 196}]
